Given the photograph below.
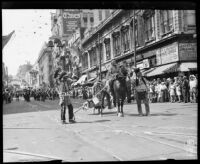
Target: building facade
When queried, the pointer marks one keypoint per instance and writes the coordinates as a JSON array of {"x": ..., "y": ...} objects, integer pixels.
[
  {"x": 45, "y": 66},
  {"x": 165, "y": 41}
]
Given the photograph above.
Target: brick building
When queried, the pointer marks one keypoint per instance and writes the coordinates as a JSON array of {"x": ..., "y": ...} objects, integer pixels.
[{"x": 165, "y": 42}]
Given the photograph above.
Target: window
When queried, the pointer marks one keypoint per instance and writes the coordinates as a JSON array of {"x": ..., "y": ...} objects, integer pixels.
[
  {"x": 107, "y": 47},
  {"x": 85, "y": 61},
  {"x": 125, "y": 38},
  {"x": 94, "y": 56},
  {"x": 166, "y": 20},
  {"x": 101, "y": 52},
  {"x": 91, "y": 58},
  {"x": 149, "y": 22},
  {"x": 116, "y": 43},
  {"x": 100, "y": 15},
  {"x": 91, "y": 19},
  {"x": 107, "y": 13}
]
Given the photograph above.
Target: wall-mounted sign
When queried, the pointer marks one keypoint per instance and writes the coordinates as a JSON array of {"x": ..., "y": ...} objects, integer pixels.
[
  {"x": 188, "y": 51},
  {"x": 146, "y": 63},
  {"x": 158, "y": 58},
  {"x": 71, "y": 21},
  {"x": 169, "y": 53}
]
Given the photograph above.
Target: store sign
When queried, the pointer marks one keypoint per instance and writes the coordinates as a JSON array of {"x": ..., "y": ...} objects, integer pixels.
[
  {"x": 140, "y": 65},
  {"x": 188, "y": 51},
  {"x": 158, "y": 58},
  {"x": 146, "y": 63},
  {"x": 169, "y": 53},
  {"x": 71, "y": 21}
]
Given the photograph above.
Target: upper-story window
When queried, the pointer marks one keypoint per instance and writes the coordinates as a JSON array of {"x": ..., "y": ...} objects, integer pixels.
[
  {"x": 95, "y": 56},
  {"x": 108, "y": 48},
  {"x": 125, "y": 38},
  {"x": 100, "y": 15},
  {"x": 166, "y": 18},
  {"x": 116, "y": 43},
  {"x": 149, "y": 22},
  {"x": 101, "y": 52}
]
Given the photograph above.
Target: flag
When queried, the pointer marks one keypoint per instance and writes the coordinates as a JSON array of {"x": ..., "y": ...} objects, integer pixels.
[{"x": 6, "y": 38}]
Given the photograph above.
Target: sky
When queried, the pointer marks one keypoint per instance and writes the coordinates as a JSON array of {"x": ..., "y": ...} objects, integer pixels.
[{"x": 32, "y": 28}]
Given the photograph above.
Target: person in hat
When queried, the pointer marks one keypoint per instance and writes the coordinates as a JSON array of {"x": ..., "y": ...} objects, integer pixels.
[
  {"x": 63, "y": 90},
  {"x": 141, "y": 92}
]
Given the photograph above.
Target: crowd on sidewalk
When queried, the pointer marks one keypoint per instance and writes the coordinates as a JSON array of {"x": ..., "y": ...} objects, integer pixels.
[{"x": 177, "y": 89}]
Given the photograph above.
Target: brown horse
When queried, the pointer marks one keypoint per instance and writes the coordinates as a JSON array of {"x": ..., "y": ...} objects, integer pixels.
[{"x": 120, "y": 91}]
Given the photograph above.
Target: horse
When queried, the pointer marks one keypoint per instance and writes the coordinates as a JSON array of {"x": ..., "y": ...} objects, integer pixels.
[{"x": 120, "y": 91}]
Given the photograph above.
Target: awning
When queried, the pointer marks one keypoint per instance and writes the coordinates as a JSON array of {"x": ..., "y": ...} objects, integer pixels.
[
  {"x": 160, "y": 70},
  {"x": 147, "y": 71},
  {"x": 81, "y": 80},
  {"x": 189, "y": 66}
]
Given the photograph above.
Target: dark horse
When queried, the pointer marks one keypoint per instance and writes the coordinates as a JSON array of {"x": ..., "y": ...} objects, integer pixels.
[{"x": 120, "y": 91}]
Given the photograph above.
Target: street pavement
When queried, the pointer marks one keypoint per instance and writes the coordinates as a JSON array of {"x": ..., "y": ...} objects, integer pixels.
[{"x": 32, "y": 131}]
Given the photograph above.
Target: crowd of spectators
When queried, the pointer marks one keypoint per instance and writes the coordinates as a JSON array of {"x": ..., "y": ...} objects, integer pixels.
[{"x": 177, "y": 89}]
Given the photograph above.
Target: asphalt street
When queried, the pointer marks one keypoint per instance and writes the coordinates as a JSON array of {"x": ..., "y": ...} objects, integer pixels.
[{"x": 32, "y": 131}]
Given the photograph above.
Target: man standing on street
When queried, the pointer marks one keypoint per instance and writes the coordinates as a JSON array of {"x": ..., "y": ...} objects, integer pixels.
[
  {"x": 63, "y": 90},
  {"x": 141, "y": 92}
]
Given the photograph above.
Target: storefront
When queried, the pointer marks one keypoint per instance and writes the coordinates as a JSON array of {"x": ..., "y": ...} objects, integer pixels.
[{"x": 174, "y": 59}]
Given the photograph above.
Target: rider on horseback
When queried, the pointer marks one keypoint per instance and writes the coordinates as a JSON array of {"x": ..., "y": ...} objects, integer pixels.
[{"x": 112, "y": 75}]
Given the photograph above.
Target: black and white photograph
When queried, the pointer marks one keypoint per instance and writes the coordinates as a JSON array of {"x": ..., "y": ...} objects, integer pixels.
[{"x": 99, "y": 84}]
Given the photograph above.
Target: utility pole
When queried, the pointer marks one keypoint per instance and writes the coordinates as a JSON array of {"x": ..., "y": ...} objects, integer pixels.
[
  {"x": 99, "y": 57},
  {"x": 134, "y": 39}
]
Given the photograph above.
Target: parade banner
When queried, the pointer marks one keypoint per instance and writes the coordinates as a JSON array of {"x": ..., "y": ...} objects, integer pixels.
[
  {"x": 71, "y": 21},
  {"x": 188, "y": 51}
]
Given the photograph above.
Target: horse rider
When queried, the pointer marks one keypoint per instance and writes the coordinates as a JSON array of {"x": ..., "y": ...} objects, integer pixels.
[
  {"x": 63, "y": 90},
  {"x": 112, "y": 75}
]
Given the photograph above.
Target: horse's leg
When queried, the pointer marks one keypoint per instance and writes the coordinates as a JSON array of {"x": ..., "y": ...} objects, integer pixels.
[
  {"x": 118, "y": 109},
  {"x": 122, "y": 103}
]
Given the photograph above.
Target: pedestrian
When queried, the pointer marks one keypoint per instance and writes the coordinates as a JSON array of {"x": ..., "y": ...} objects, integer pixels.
[
  {"x": 185, "y": 89},
  {"x": 151, "y": 92},
  {"x": 178, "y": 90},
  {"x": 163, "y": 89},
  {"x": 193, "y": 88},
  {"x": 141, "y": 92},
  {"x": 172, "y": 91}
]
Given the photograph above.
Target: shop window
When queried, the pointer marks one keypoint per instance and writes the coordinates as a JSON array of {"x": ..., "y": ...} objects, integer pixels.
[{"x": 166, "y": 20}]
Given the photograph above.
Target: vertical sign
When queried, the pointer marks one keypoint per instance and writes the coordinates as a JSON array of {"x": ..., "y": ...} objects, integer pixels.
[
  {"x": 158, "y": 58},
  {"x": 71, "y": 21}
]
